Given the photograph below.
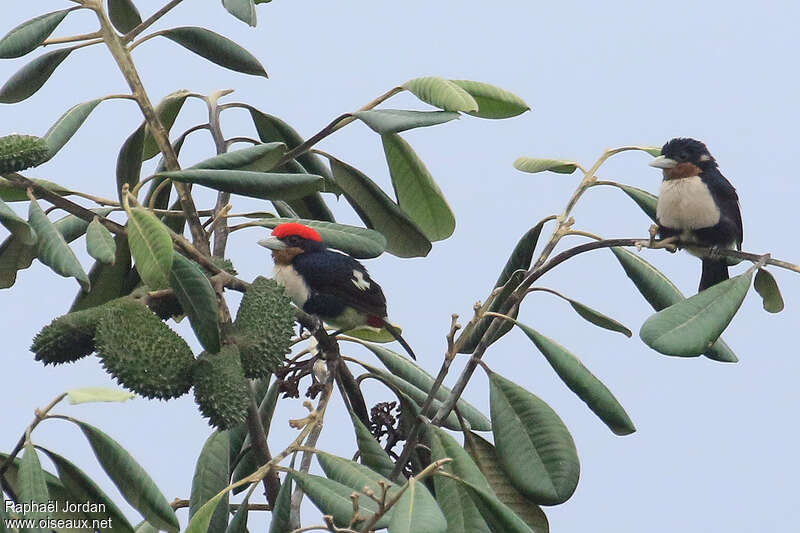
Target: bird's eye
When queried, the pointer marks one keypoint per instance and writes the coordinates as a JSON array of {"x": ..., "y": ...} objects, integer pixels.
[{"x": 683, "y": 156}]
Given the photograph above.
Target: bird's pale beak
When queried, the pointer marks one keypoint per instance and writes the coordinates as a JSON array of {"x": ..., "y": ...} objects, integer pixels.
[
  {"x": 663, "y": 161},
  {"x": 273, "y": 243}
]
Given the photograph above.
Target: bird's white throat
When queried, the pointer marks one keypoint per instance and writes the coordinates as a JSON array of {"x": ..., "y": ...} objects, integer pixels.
[
  {"x": 686, "y": 204},
  {"x": 294, "y": 284}
]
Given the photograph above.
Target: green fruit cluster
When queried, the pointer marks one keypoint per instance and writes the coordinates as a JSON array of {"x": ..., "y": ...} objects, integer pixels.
[
  {"x": 221, "y": 389},
  {"x": 263, "y": 328},
  {"x": 18, "y": 152},
  {"x": 67, "y": 338}
]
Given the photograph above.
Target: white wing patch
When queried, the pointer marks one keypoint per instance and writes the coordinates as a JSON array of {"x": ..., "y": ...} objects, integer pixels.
[{"x": 359, "y": 281}]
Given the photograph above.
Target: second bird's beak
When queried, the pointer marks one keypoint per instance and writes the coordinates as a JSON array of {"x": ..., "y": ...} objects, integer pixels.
[
  {"x": 273, "y": 243},
  {"x": 663, "y": 161}
]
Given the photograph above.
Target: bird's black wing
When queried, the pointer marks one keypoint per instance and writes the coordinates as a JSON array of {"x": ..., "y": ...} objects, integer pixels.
[
  {"x": 341, "y": 276},
  {"x": 728, "y": 202}
]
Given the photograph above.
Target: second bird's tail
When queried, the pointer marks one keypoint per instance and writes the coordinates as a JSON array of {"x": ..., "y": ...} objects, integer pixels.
[{"x": 714, "y": 271}]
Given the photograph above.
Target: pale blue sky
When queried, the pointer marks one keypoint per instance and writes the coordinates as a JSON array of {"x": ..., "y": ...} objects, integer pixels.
[{"x": 716, "y": 444}]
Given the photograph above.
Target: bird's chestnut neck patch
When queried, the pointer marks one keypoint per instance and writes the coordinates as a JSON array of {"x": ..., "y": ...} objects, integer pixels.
[
  {"x": 294, "y": 228},
  {"x": 682, "y": 170}
]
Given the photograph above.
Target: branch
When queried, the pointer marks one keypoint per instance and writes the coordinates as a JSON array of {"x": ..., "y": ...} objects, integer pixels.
[
  {"x": 260, "y": 447},
  {"x": 128, "y": 37}
]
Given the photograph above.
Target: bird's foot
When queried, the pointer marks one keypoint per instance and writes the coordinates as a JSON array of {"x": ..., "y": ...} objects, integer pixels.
[
  {"x": 653, "y": 232},
  {"x": 670, "y": 244}
]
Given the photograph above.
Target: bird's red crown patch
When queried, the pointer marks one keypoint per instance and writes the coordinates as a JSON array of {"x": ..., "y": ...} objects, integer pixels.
[{"x": 295, "y": 228}]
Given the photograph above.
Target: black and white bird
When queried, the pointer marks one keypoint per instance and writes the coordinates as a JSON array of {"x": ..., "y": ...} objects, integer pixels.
[
  {"x": 332, "y": 285},
  {"x": 697, "y": 204}
]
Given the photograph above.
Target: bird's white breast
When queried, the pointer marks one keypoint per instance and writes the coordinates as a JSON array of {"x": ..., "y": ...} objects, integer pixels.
[
  {"x": 686, "y": 203},
  {"x": 294, "y": 284}
]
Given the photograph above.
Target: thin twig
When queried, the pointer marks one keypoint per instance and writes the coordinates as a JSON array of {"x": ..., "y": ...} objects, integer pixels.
[
  {"x": 128, "y": 37},
  {"x": 39, "y": 415}
]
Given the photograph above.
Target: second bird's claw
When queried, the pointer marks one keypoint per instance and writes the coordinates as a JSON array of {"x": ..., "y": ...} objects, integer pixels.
[{"x": 653, "y": 233}]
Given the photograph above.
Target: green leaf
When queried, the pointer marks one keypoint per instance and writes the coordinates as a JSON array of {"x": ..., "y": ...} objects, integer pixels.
[
  {"x": 493, "y": 102},
  {"x": 766, "y": 286},
  {"x": 108, "y": 281},
  {"x": 211, "y": 474},
  {"x": 359, "y": 242},
  {"x": 497, "y": 304},
  {"x": 408, "y": 370},
  {"x": 146, "y": 527},
  {"x": 689, "y": 328},
  {"x": 333, "y": 498},
  {"x": 417, "y": 512},
  {"x": 416, "y": 191},
  {"x": 100, "y": 242},
  {"x": 124, "y": 15},
  {"x": 52, "y": 248},
  {"x": 522, "y": 255},
  {"x": 151, "y": 246},
  {"x": 379, "y": 212},
  {"x": 485, "y": 457},
  {"x": 131, "y": 479},
  {"x": 646, "y": 200},
  {"x": 32, "y": 484},
  {"x": 265, "y": 185},
  {"x": 370, "y": 451},
  {"x": 534, "y": 165},
  {"x": 200, "y": 522},
  {"x": 535, "y": 448},
  {"x": 243, "y": 10},
  {"x": 655, "y": 151},
  {"x": 26, "y": 37},
  {"x": 397, "y": 120},
  {"x": 129, "y": 160},
  {"x": 30, "y": 78},
  {"x": 354, "y": 475},
  {"x": 198, "y": 300},
  {"x": 12, "y": 193},
  {"x": 441, "y": 93},
  {"x": 497, "y": 515},
  {"x": 216, "y": 48},
  {"x": 263, "y": 156},
  {"x": 661, "y": 293},
  {"x": 281, "y": 514},
  {"x": 248, "y": 463},
  {"x": 84, "y": 490},
  {"x": 98, "y": 394},
  {"x": 167, "y": 111},
  {"x": 16, "y": 225},
  {"x": 590, "y": 315},
  {"x": 65, "y": 127},
  {"x": 582, "y": 382}
]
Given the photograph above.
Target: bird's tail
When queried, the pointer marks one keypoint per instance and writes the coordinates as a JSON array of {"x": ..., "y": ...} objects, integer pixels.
[
  {"x": 399, "y": 338},
  {"x": 714, "y": 271}
]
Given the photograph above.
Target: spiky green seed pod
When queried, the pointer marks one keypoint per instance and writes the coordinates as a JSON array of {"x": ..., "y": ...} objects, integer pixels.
[
  {"x": 68, "y": 337},
  {"x": 225, "y": 264},
  {"x": 263, "y": 328},
  {"x": 143, "y": 353},
  {"x": 220, "y": 388},
  {"x": 18, "y": 152}
]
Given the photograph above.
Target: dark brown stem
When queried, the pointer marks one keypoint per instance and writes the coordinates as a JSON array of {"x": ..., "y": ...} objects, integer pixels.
[{"x": 260, "y": 447}]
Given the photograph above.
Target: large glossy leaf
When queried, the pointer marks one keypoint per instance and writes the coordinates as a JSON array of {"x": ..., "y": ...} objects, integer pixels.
[
  {"x": 582, "y": 382},
  {"x": 84, "y": 490},
  {"x": 30, "y": 34},
  {"x": 108, "y": 281},
  {"x": 124, "y": 15},
  {"x": 441, "y": 93},
  {"x": 370, "y": 451},
  {"x": 261, "y": 155},
  {"x": 30, "y": 78},
  {"x": 211, "y": 474},
  {"x": 244, "y": 10},
  {"x": 265, "y": 185},
  {"x": 52, "y": 248},
  {"x": 131, "y": 479},
  {"x": 534, "y": 165},
  {"x": 129, "y": 160},
  {"x": 333, "y": 498},
  {"x": 645, "y": 200},
  {"x": 167, "y": 111},
  {"x": 660, "y": 292},
  {"x": 354, "y": 475},
  {"x": 16, "y": 225},
  {"x": 497, "y": 515},
  {"x": 767, "y": 288},
  {"x": 198, "y": 300},
  {"x": 416, "y": 191},
  {"x": 216, "y": 48},
  {"x": 378, "y": 211},
  {"x": 151, "y": 246},
  {"x": 493, "y": 102},
  {"x": 485, "y": 456},
  {"x": 201, "y": 520},
  {"x": 410, "y": 371},
  {"x": 32, "y": 484},
  {"x": 281, "y": 514},
  {"x": 535, "y": 448},
  {"x": 100, "y": 242},
  {"x": 359, "y": 242},
  {"x": 12, "y": 193},
  {"x": 417, "y": 512},
  {"x": 690, "y": 327},
  {"x": 65, "y": 127},
  {"x": 397, "y": 120}
]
